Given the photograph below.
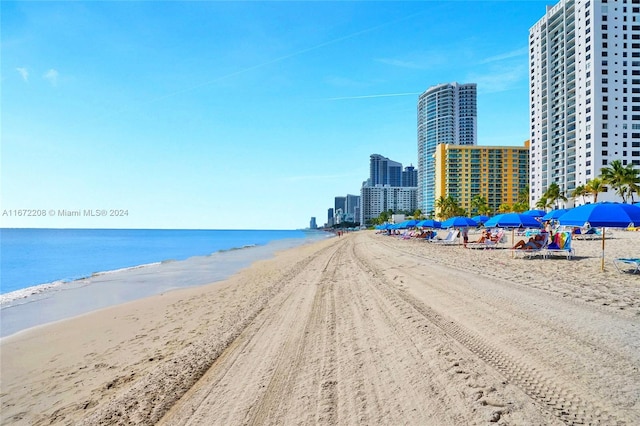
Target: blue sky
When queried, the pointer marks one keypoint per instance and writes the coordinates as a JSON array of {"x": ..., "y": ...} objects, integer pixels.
[{"x": 236, "y": 115}]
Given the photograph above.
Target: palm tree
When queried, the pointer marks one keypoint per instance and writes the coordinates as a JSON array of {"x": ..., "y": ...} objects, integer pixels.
[
  {"x": 594, "y": 187},
  {"x": 441, "y": 207},
  {"x": 579, "y": 191},
  {"x": 616, "y": 175},
  {"x": 479, "y": 204},
  {"x": 542, "y": 203},
  {"x": 523, "y": 197},
  {"x": 448, "y": 207},
  {"x": 519, "y": 207},
  {"x": 504, "y": 208},
  {"x": 631, "y": 180},
  {"x": 553, "y": 194}
]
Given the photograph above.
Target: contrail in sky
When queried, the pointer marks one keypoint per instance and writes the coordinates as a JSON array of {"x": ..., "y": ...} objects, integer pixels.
[
  {"x": 384, "y": 95},
  {"x": 291, "y": 55}
]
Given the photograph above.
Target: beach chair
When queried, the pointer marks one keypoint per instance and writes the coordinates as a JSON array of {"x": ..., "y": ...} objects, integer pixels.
[
  {"x": 588, "y": 234},
  {"x": 493, "y": 242},
  {"x": 633, "y": 262},
  {"x": 561, "y": 245},
  {"x": 451, "y": 238},
  {"x": 489, "y": 243},
  {"x": 532, "y": 252}
]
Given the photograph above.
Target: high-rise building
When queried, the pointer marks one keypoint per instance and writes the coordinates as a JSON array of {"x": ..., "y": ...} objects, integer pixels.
[
  {"x": 383, "y": 171},
  {"x": 330, "y": 217},
  {"x": 312, "y": 223},
  {"x": 496, "y": 173},
  {"x": 339, "y": 204},
  {"x": 447, "y": 113},
  {"x": 584, "y": 65},
  {"x": 410, "y": 176},
  {"x": 379, "y": 198},
  {"x": 351, "y": 204}
]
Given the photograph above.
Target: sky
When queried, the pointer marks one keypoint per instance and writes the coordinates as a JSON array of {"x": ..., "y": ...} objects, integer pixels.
[{"x": 234, "y": 115}]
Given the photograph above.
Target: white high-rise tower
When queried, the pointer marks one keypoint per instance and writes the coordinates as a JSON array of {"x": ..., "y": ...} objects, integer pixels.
[
  {"x": 584, "y": 59},
  {"x": 447, "y": 113}
]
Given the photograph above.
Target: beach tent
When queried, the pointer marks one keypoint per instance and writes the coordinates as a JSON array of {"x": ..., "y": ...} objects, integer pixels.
[{"x": 602, "y": 215}]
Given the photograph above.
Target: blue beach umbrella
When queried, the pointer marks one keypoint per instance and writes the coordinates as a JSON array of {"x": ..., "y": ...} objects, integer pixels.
[
  {"x": 480, "y": 218},
  {"x": 535, "y": 213},
  {"x": 429, "y": 223},
  {"x": 554, "y": 214},
  {"x": 512, "y": 220},
  {"x": 459, "y": 222},
  {"x": 601, "y": 215}
]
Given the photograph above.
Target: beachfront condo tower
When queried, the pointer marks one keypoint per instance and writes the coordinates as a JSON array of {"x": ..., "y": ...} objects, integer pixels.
[
  {"x": 584, "y": 65},
  {"x": 383, "y": 171},
  {"x": 447, "y": 114},
  {"x": 496, "y": 173}
]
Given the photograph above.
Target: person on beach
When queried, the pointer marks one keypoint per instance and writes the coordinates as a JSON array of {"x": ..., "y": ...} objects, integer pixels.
[
  {"x": 486, "y": 235},
  {"x": 534, "y": 243},
  {"x": 465, "y": 236}
]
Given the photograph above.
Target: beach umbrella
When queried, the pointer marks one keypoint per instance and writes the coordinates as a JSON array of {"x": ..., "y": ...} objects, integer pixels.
[
  {"x": 512, "y": 220},
  {"x": 602, "y": 215},
  {"x": 429, "y": 223},
  {"x": 402, "y": 225},
  {"x": 480, "y": 218},
  {"x": 459, "y": 222},
  {"x": 554, "y": 214},
  {"x": 535, "y": 213},
  {"x": 412, "y": 223}
]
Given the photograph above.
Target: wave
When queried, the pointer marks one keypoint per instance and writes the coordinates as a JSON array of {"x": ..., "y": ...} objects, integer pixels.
[
  {"x": 14, "y": 297},
  {"x": 10, "y": 299},
  {"x": 235, "y": 248}
]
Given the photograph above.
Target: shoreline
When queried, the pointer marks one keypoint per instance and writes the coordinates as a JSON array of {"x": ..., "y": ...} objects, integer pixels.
[
  {"x": 359, "y": 329},
  {"x": 60, "y": 300}
]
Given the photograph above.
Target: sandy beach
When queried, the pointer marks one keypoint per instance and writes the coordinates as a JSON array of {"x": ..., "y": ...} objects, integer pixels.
[{"x": 361, "y": 329}]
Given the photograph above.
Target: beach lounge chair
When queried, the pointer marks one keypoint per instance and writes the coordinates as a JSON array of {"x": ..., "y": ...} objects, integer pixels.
[
  {"x": 531, "y": 252},
  {"x": 488, "y": 243},
  {"x": 633, "y": 262},
  {"x": 588, "y": 234},
  {"x": 561, "y": 245},
  {"x": 449, "y": 239}
]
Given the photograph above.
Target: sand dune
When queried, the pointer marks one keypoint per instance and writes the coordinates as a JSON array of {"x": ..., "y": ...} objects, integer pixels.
[{"x": 363, "y": 329}]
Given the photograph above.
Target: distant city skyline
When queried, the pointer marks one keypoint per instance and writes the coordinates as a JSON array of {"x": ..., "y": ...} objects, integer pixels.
[{"x": 235, "y": 115}]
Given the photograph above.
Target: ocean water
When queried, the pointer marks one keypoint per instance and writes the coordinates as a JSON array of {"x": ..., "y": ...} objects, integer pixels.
[
  {"x": 49, "y": 275},
  {"x": 51, "y": 257}
]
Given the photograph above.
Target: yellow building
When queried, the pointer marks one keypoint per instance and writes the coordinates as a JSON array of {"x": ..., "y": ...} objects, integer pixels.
[{"x": 497, "y": 173}]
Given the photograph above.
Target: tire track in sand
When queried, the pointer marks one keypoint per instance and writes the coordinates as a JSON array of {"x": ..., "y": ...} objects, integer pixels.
[
  {"x": 565, "y": 404},
  {"x": 213, "y": 400}
]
